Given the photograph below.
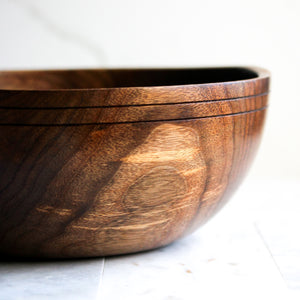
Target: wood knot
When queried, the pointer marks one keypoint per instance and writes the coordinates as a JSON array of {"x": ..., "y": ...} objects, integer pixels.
[{"x": 162, "y": 185}]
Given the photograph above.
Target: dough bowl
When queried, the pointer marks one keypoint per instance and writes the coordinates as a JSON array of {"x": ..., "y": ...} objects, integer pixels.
[{"x": 106, "y": 162}]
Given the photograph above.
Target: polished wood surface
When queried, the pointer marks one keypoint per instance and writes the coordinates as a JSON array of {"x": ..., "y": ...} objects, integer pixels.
[
  {"x": 69, "y": 188},
  {"x": 125, "y": 114},
  {"x": 93, "y": 88}
]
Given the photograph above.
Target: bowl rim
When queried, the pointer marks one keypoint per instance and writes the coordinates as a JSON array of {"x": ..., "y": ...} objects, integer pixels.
[{"x": 145, "y": 95}]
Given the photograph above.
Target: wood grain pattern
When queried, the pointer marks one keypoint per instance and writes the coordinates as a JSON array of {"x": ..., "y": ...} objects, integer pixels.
[
  {"x": 78, "y": 190},
  {"x": 125, "y": 114},
  {"x": 93, "y": 88}
]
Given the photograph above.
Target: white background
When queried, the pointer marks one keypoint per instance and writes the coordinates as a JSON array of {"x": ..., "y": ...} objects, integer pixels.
[
  {"x": 117, "y": 33},
  {"x": 259, "y": 258}
]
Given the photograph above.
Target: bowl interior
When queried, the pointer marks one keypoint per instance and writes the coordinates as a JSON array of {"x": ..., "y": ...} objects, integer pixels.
[{"x": 114, "y": 78}]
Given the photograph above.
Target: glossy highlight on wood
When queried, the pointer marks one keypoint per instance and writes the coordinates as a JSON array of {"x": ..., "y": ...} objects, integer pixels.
[{"x": 130, "y": 171}]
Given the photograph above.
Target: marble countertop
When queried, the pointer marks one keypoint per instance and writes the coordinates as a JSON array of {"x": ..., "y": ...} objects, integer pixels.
[{"x": 250, "y": 250}]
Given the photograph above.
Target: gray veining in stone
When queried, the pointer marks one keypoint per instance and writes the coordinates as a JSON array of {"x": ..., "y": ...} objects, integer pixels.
[{"x": 60, "y": 32}]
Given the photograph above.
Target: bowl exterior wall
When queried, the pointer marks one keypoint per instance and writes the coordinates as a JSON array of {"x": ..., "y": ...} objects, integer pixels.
[{"x": 94, "y": 190}]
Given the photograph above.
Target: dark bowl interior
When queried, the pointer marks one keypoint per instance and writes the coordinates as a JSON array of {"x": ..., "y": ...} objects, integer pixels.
[{"x": 114, "y": 78}]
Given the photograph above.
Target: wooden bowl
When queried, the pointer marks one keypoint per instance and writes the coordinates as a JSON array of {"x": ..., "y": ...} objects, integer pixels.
[{"x": 105, "y": 162}]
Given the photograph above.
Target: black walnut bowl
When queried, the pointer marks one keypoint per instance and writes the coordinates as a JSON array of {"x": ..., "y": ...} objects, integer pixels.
[{"x": 105, "y": 162}]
